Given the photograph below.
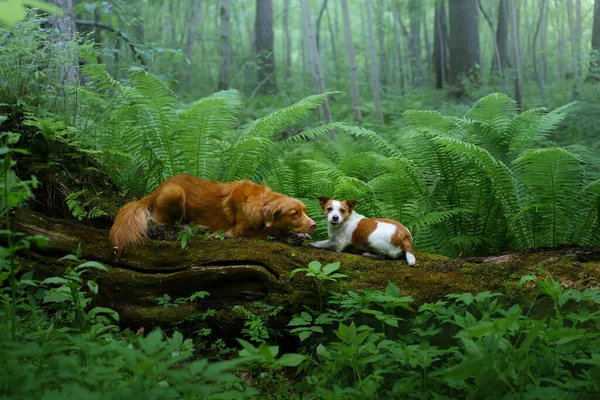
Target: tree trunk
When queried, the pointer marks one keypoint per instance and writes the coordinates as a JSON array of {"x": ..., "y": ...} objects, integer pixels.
[
  {"x": 543, "y": 40},
  {"x": 332, "y": 38},
  {"x": 516, "y": 50},
  {"x": 536, "y": 70},
  {"x": 319, "y": 18},
  {"x": 354, "y": 93},
  {"x": 501, "y": 63},
  {"x": 440, "y": 45},
  {"x": 225, "y": 47},
  {"x": 560, "y": 39},
  {"x": 575, "y": 45},
  {"x": 288, "y": 40},
  {"x": 244, "y": 270},
  {"x": 313, "y": 55},
  {"x": 594, "y": 73},
  {"x": 398, "y": 42},
  {"x": 414, "y": 7},
  {"x": 265, "y": 58},
  {"x": 195, "y": 20},
  {"x": 69, "y": 70},
  {"x": 374, "y": 77},
  {"x": 428, "y": 51},
  {"x": 381, "y": 41},
  {"x": 465, "y": 55}
]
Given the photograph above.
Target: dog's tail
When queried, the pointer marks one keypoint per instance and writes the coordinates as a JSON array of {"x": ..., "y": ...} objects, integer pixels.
[
  {"x": 130, "y": 224},
  {"x": 406, "y": 244}
]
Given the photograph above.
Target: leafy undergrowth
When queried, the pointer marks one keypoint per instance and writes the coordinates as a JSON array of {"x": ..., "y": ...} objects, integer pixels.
[{"x": 367, "y": 344}]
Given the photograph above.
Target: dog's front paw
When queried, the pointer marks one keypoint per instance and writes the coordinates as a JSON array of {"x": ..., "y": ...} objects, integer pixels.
[
  {"x": 303, "y": 236},
  {"x": 296, "y": 239}
]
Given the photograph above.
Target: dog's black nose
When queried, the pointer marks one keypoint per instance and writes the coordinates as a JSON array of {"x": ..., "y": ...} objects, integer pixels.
[{"x": 335, "y": 218}]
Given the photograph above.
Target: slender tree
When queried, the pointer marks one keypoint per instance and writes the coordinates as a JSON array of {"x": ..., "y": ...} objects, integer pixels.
[
  {"x": 516, "y": 51},
  {"x": 354, "y": 94},
  {"x": 288, "y": 39},
  {"x": 575, "y": 45},
  {"x": 398, "y": 42},
  {"x": 319, "y": 18},
  {"x": 374, "y": 77},
  {"x": 225, "y": 46},
  {"x": 381, "y": 41},
  {"x": 263, "y": 29},
  {"x": 313, "y": 55},
  {"x": 501, "y": 62},
  {"x": 414, "y": 9},
  {"x": 440, "y": 45},
  {"x": 594, "y": 74},
  {"x": 332, "y": 38},
  {"x": 195, "y": 20},
  {"x": 465, "y": 56},
  {"x": 538, "y": 74},
  {"x": 65, "y": 24}
]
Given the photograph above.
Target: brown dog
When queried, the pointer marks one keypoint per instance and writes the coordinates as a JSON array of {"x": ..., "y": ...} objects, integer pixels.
[{"x": 240, "y": 208}]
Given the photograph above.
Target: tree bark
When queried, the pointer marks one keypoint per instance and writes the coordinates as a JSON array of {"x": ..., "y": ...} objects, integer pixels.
[
  {"x": 332, "y": 38},
  {"x": 195, "y": 19},
  {"x": 319, "y": 18},
  {"x": 465, "y": 56},
  {"x": 288, "y": 40},
  {"x": 516, "y": 50},
  {"x": 538, "y": 75},
  {"x": 560, "y": 39},
  {"x": 225, "y": 46},
  {"x": 440, "y": 45},
  {"x": 501, "y": 63},
  {"x": 398, "y": 42},
  {"x": 575, "y": 45},
  {"x": 244, "y": 270},
  {"x": 313, "y": 55},
  {"x": 69, "y": 73},
  {"x": 374, "y": 74},
  {"x": 354, "y": 93},
  {"x": 265, "y": 57},
  {"x": 383, "y": 63},
  {"x": 594, "y": 73},
  {"x": 414, "y": 9}
]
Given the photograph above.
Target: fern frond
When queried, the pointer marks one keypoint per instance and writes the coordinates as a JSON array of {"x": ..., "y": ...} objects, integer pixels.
[
  {"x": 533, "y": 126},
  {"x": 550, "y": 185},
  {"x": 380, "y": 143},
  {"x": 201, "y": 128}
]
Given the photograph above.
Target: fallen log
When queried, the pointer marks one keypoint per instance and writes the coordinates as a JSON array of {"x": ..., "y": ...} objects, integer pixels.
[{"x": 238, "y": 271}]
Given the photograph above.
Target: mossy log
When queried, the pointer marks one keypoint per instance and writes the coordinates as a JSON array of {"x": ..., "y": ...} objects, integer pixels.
[{"x": 242, "y": 270}]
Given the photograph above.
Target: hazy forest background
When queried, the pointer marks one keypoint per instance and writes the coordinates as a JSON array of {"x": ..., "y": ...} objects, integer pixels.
[{"x": 473, "y": 122}]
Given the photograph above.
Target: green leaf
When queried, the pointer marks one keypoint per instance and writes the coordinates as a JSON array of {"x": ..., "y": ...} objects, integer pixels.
[
  {"x": 392, "y": 290},
  {"x": 329, "y": 268},
  {"x": 305, "y": 335},
  {"x": 527, "y": 278},
  {"x": 103, "y": 310},
  {"x": 55, "y": 280},
  {"x": 323, "y": 352},
  {"x": 93, "y": 287},
  {"x": 289, "y": 360},
  {"x": 91, "y": 264}
]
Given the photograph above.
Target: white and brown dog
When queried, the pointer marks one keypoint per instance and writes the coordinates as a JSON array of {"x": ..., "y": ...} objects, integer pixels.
[{"x": 378, "y": 237}]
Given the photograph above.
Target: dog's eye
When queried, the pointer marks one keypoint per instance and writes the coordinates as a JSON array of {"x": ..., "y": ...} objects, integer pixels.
[
  {"x": 294, "y": 212},
  {"x": 343, "y": 211},
  {"x": 329, "y": 208}
]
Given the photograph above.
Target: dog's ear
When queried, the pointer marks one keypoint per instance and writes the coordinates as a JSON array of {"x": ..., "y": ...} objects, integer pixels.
[
  {"x": 351, "y": 204},
  {"x": 270, "y": 213},
  {"x": 322, "y": 201}
]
